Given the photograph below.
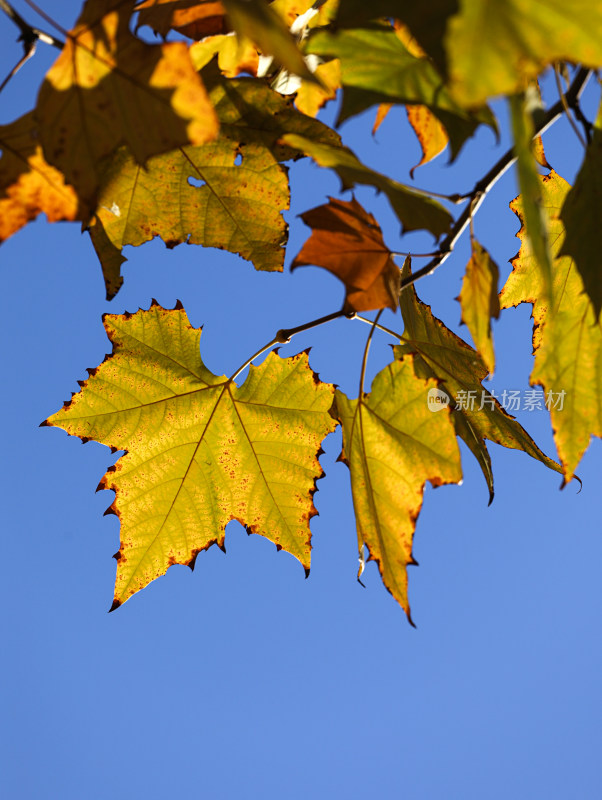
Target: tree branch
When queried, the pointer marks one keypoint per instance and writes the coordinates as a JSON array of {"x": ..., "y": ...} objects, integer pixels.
[
  {"x": 485, "y": 184},
  {"x": 29, "y": 35}
]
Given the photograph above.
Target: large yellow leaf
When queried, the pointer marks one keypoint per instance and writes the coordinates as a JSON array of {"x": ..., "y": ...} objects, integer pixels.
[
  {"x": 414, "y": 210},
  {"x": 200, "y": 451},
  {"x": 108, "y": 88},
  {"x": 228, "y": 194},
  {"x": 478, "y": 415},
  {"x": 28, "y": 185},
  {"x": 567, "y": 338},
  {"x": 393, "y": 444},
  {"x": 495, "y": 46},
  {"x": 348, "y": 242}
]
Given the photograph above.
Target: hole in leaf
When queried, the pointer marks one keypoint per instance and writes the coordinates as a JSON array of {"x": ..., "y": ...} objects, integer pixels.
[
  {"x": 238, "y": 160},
  {"x": 196, "y": 181}
]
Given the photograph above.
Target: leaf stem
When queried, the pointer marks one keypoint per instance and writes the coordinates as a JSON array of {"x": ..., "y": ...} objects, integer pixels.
[
  {"x": 488, "y": 181},
  {"x": 380, "y": 327},
  {"x": 366, "y": 351}
]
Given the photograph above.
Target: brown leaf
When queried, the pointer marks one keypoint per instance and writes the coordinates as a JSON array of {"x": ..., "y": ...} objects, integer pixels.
[
  {"x": 347, "y": 241},
  {"x": 107, "y": 88},
  {"x": 193, "y": 18}
]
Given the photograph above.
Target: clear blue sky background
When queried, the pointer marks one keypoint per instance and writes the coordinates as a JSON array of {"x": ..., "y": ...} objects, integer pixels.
[{"x": 242, "y": 679}]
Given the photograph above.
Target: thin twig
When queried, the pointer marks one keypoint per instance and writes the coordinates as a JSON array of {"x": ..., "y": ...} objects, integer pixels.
[
  {"x": 567, "y": 110},
  {"x": 29, "y": 35},
  {"x": 483, "y": 186},
  {"x": 284, "y": 335}
]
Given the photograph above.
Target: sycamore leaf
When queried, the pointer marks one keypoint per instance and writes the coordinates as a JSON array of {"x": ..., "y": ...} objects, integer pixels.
[
  {"x": 228, "y": 194},
  {"x": 581, "y": 215},
  {"x": 393, "y": 444},
  {"x": 260, "y": 23},
  {"x": 377, "y": 67},
  {"x": 431, "y": 134},
  {"x": 427, "y": 21},
  {"x": 347, "y": 241},
  {"x": 536, "y": 227},
  {"x": 28, "y": 185},
  {"x": 480, "y": 302},
  {"x": 460, "y": 369},
  {"x": 200, "y": 451},
  {"x": 107, "y": 88},
  {"x": 413, "y": 209},
  {"x": 192, "y": 18},
  {"x": 496, "y": 47},
  {"x": 567, "y": 339}
]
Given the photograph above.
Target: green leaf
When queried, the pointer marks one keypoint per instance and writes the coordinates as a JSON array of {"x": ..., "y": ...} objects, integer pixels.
[
  {"x": 200, "y": 451},
  {"x": 392, "y": 445},
  {"x": 495, "y": 47},
  {"x": 377, "y": 67},
  {"x": 479, "y": 301},
  {"x": 107, "y": 89},
  {"x": 567, "y": 339},
  {"x": 228, "y": 194},
  {"x": 536, "y": 226},
  {"x": 413, "y": 210},
  {"x": 581, "y": 215},
  {"x": 460, "y": 369},
  {"x": 427, "y": 21}
]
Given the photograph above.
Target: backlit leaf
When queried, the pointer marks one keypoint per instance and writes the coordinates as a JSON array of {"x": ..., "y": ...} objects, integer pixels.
[
  {"x": 228, "y": 194},
  {"x": 430, "y": 132},
  {"x": 460, "y": 369},
  {"x": 200, "y": 451},
  {"x": 348, "y": 242},
  {"x": 107, "y": 89},
  {"x": 427, "y": 21},
  {"x": 480, "y": 302},
  {"x": 582, "y": 217},
  {"x": 393, "y": 444},
  {"x": 567, "y": 339},
  {"x": 378, "y": 67},
  {"x": 496, "y": 47},
  {"x": 413, "y": 210},
  {"x": 28, "y": 185}
]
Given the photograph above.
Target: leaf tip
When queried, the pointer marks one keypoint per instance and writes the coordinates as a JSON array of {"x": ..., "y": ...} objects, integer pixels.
[{"x": 116, "y": 604}]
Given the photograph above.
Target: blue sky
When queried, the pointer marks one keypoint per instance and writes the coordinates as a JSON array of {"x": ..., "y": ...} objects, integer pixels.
[{"x": 242, "y": 679}]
